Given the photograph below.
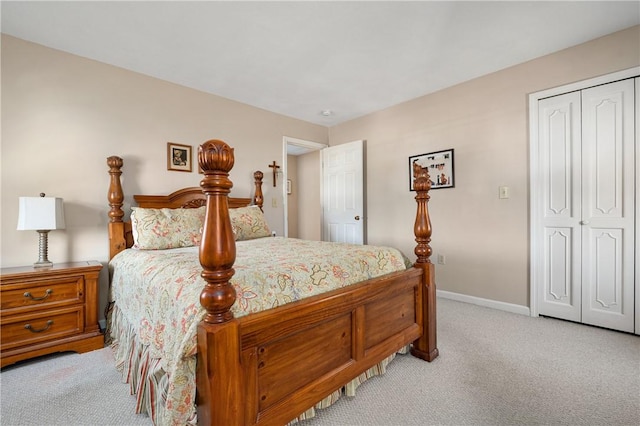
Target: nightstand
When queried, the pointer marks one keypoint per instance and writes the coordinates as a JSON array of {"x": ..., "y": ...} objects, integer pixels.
[{"x": 49, "y": 310}]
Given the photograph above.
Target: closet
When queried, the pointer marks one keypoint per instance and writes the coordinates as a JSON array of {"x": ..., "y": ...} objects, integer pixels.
[{"x": 583, "y": 205}]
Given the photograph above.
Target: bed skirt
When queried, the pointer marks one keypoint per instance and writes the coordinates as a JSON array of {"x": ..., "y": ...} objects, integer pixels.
[
  {"x": 169, "y": 398},
  {"x": 350, "y": 388}
]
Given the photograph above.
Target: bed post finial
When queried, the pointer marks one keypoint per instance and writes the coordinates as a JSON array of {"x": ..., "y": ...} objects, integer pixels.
[
  {"x": 218, "y": 247},
  {"x": 257, "y": 179},
  {"x": 426, "y": 346},
  {"x": 215, "y": 156},
  {"x": 115, "y": 196},
  {"x": 422, "y": 226}
]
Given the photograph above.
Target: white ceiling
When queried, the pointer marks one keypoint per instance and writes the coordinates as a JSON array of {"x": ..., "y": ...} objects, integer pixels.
[{"x": 300, "y": 58}]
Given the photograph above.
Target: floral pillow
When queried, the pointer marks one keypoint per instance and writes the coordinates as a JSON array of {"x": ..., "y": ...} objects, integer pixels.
[
  {"x": 249, "y": 223},
  {"x": 157, "y": 229}
]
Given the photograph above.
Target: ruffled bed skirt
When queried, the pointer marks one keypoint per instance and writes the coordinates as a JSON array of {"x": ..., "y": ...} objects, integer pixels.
[
  {"x": 350, "y": 388},
  {"x": 152, "y": 385},
  {"x": 146, "y": 378}
]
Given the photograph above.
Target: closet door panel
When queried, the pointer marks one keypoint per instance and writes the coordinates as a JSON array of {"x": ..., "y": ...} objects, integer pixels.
[
  {"x": 561, "y": 298},
  {"x": 560, "y": 173},
  {"x": 606, "y": 250},
  {"x": 608, "y": 193}
]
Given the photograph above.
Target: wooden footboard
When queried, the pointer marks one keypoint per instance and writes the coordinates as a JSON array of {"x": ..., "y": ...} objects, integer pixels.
[
  {"x": 269, "y": 367},
  {"x": 297, "y": 355}
]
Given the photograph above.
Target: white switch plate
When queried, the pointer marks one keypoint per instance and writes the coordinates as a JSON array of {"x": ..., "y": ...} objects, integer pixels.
[{"x": 503, "y": 192}]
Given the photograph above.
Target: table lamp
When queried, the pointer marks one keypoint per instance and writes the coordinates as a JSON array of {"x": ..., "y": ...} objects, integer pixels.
[{"x": 41, "y": 214}]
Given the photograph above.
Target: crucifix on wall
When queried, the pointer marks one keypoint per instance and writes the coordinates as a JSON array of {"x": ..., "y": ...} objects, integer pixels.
[{"x": 275, "y": 168}]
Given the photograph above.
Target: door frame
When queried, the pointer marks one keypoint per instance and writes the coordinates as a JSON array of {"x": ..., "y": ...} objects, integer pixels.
[
  {"x": 535, "y": 190},
  {"x": 637, "y": 323},
  {"x": 308, "y": 145}
]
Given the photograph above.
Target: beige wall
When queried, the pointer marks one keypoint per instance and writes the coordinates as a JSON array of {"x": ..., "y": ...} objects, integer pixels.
[
  {"x": 485, "y": 239},
  {"x": 63, "y": 115},
  {"x": 308, "y": 187}
]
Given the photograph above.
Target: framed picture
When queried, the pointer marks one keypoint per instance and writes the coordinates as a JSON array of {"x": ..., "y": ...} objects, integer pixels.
[
  {"x": 439, "y": 165},
  {"x": 178, "y": 157}
]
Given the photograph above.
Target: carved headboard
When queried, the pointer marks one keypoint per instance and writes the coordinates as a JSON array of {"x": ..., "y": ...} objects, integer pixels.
[
  {"x": 186, "y": 198},
  {"x": 120, "y": 233}
]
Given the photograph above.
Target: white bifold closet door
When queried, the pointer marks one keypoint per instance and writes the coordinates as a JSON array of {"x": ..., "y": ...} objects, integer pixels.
[{"x": 587, "y": 150}]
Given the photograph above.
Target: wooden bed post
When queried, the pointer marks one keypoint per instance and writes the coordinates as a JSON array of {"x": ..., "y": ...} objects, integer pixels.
[
  {"x": 219, "y": 378},
  {"x": 426, "y": 346},
  {"x": 117, "y": 240},
  {"x": 258, "y": 198}
]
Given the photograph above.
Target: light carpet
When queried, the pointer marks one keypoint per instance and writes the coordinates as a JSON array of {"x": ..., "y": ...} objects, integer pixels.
[{"x": 495, "y": 368}]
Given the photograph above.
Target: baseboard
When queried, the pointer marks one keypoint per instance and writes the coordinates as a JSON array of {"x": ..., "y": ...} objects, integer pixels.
[{"x": 488, "y": 303}]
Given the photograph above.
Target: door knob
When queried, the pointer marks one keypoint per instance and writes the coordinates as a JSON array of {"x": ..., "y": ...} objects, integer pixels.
[
  {"x": 584, "y": 222},
  {"x": 357, "y": 218}
]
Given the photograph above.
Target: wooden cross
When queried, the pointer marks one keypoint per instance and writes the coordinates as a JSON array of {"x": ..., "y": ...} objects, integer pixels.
[{"x": 275, "y": 168}]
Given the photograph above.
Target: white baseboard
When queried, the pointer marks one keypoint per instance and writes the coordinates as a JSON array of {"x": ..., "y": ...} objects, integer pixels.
[{"x": 488, "y": 303}]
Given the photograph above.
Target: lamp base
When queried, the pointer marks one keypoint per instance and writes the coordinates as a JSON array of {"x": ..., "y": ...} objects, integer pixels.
[
  {"x": 43, "y": 264},
  {"x": 43, "y": 248}
]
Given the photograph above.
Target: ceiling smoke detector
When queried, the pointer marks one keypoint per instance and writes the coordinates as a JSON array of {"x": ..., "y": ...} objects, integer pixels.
[{"x": 327, "y": 112}]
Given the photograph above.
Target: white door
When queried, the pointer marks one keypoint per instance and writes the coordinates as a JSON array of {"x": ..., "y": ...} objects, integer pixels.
[
  {"x": 343, "y": 193},
  {"x": 608, "y": 181},
  {"x": 560, "y": 175},
  {"x": 587, "y": 174}
]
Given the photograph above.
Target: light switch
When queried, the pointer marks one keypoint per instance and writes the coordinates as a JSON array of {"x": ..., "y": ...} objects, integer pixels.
[{"x": 503, "y": 192}]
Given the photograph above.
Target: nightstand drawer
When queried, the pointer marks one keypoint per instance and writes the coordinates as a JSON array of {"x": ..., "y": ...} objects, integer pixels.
[
  {"x": 41, "y": 293},
  {"x": 37, "y": 327}
]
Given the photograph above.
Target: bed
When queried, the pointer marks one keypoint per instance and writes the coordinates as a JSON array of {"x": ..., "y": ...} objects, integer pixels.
[{"x": 275, "y": 363}]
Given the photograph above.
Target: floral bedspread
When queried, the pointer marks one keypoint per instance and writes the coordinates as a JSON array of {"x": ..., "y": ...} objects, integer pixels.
[{"x": 156, "y": 294}]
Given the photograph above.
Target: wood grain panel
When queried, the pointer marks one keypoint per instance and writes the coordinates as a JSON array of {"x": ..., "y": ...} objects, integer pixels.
[
  {"x": 324, "y": 348},
  {"x": 389, "y": 316}
]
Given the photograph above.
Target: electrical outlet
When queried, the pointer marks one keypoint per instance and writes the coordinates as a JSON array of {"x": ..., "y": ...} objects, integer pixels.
[{"x": 442, "y": 259}]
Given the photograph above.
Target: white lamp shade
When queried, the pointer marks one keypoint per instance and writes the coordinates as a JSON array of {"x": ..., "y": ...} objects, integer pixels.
[{"x": 40, "y": 213}]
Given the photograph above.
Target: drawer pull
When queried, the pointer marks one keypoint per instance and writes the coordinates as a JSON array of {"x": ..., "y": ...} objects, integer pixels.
[
  {"x": 33, "y": 330},
  {"x": 47, "y": 293}
]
